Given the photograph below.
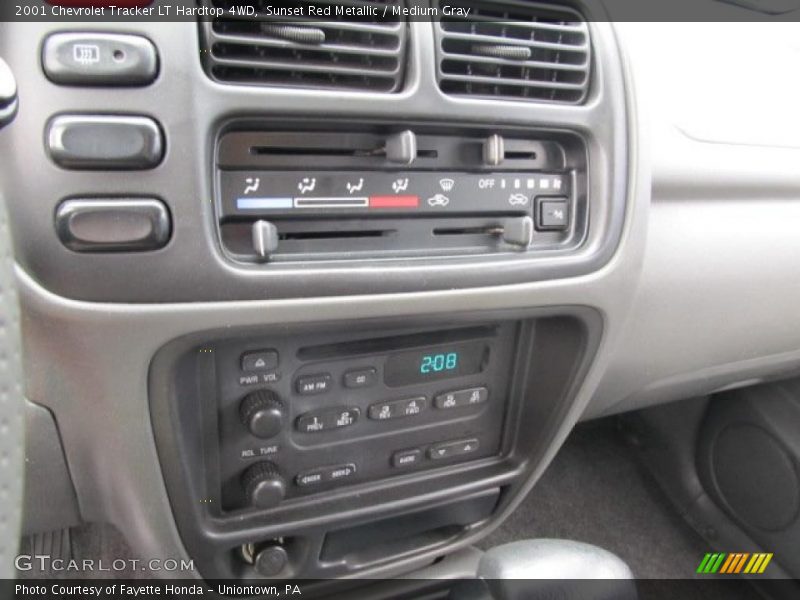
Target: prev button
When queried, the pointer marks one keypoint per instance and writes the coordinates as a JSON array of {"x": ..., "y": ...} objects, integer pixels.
[{"x": 326, "y": 420}]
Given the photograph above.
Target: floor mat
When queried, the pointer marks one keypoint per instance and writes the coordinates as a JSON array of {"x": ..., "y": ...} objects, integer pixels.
[
  {"x": 93, "y": 550},
  {"x": 595, "y": 491}
]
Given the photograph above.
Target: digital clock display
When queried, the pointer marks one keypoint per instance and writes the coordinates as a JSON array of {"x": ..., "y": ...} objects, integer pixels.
[
  {"x": 437, "y": 363},
  {"x": 418, "y": 366}
]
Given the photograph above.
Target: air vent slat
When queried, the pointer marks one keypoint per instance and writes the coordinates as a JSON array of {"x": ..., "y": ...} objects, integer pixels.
[
  {"x": 308, "y": 67},
  {"x": 367, "y": 54},
  {"x": 511, "y": 49},
  {"x": 557, "y": 85},
  {"x": 356, "y": 26},
  {"x": 505, "y": 41},
  {"x": 257, "y": 42},
  {"x": 476, "y": 19},
  {"x": 582, "y": 68}
]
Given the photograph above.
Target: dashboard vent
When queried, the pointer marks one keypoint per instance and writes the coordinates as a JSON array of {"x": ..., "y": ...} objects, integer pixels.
[
  {"x": 514, "y": 49},
  {"x": 337, "y": 52}
]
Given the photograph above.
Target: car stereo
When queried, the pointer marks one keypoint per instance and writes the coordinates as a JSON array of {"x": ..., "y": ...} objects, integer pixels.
[{"x": 300, "y": 416}]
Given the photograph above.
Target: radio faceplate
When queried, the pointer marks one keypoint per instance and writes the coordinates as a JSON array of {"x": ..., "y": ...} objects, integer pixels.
[
  {"x": 346, "y": 412},
  {"x": 503, "y": 378}
]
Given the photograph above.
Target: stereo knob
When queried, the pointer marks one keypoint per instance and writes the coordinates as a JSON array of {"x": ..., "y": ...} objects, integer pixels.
[
  {"x": 264, "y": 485},
  {"x": 262, "y": 413}
]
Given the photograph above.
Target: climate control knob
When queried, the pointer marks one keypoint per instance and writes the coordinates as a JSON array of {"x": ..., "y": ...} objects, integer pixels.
[
  {"x": 262, "y": 413},
  {"x": 263, "y": 485}
]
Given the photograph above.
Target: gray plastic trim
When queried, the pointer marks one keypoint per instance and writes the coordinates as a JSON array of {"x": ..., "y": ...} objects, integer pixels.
[
  {"x": 716, "y": 305},
  {"x": 89, "y": 362},
  {"x": 12, "y": 407},
  {"x": 49, "y": 502},
  {"x": 192, "y": 109}
]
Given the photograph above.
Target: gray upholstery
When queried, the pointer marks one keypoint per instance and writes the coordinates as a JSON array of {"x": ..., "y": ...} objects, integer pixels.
[{"x": 12, "y": 421}]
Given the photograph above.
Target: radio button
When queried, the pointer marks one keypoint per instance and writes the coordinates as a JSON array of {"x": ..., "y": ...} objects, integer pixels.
[
  {"x": 338, "y": 472},
  {"x": 406, "y": 458},
  {"x": 313, "y": 384},
  {"x": 451, "y": 449},
  {"x": 260, "y": 360},
  {"x": 396, "y": 409},
  {"x": 360, "y": 378},
  {"x": 325, "y": 474},
  {"x": 336, "y": 418},
  {"x": 308, "y": 478},
  {"x": 459, "y": 398},
  {"x": 553, "y": 214}
]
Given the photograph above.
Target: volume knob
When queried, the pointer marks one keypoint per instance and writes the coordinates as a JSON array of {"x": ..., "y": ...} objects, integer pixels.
[
  {"x": 263, "y": 485},
  {"x": 262, "y": 413}
]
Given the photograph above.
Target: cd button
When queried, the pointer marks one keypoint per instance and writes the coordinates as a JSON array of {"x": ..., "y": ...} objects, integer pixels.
[{"x": 360, "y": 378}]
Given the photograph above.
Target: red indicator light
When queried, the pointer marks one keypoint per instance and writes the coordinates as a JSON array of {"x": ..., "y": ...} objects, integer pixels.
[{"x": 394, "y": 201}]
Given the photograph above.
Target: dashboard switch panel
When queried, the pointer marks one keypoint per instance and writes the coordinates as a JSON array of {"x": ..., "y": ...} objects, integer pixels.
[
  {"x": 99, "y": 59},
  {"x": 113, "y": 224},
  {"x": 104, "y": 142}
]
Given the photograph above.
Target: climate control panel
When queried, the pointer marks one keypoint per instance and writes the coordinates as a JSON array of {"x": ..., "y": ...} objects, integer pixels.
[
  {"x": 386, "y": 192},
  {"x": 303, "y": 416}
]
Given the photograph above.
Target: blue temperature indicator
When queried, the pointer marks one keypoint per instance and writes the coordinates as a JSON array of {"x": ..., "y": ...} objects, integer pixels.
[{"x": 436, "y": 363}]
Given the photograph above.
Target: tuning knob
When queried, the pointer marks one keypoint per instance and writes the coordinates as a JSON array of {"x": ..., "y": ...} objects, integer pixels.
[
  {"x": 264, "y": 485},
  {"x": 262, "y": 413}
]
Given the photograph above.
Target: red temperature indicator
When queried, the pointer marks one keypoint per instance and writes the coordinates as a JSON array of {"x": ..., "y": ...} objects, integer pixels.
[{"x": 394, "y": 201}]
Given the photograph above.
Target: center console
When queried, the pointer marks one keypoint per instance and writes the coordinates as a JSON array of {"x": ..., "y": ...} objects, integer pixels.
[{"x": 335, "y": 451}]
